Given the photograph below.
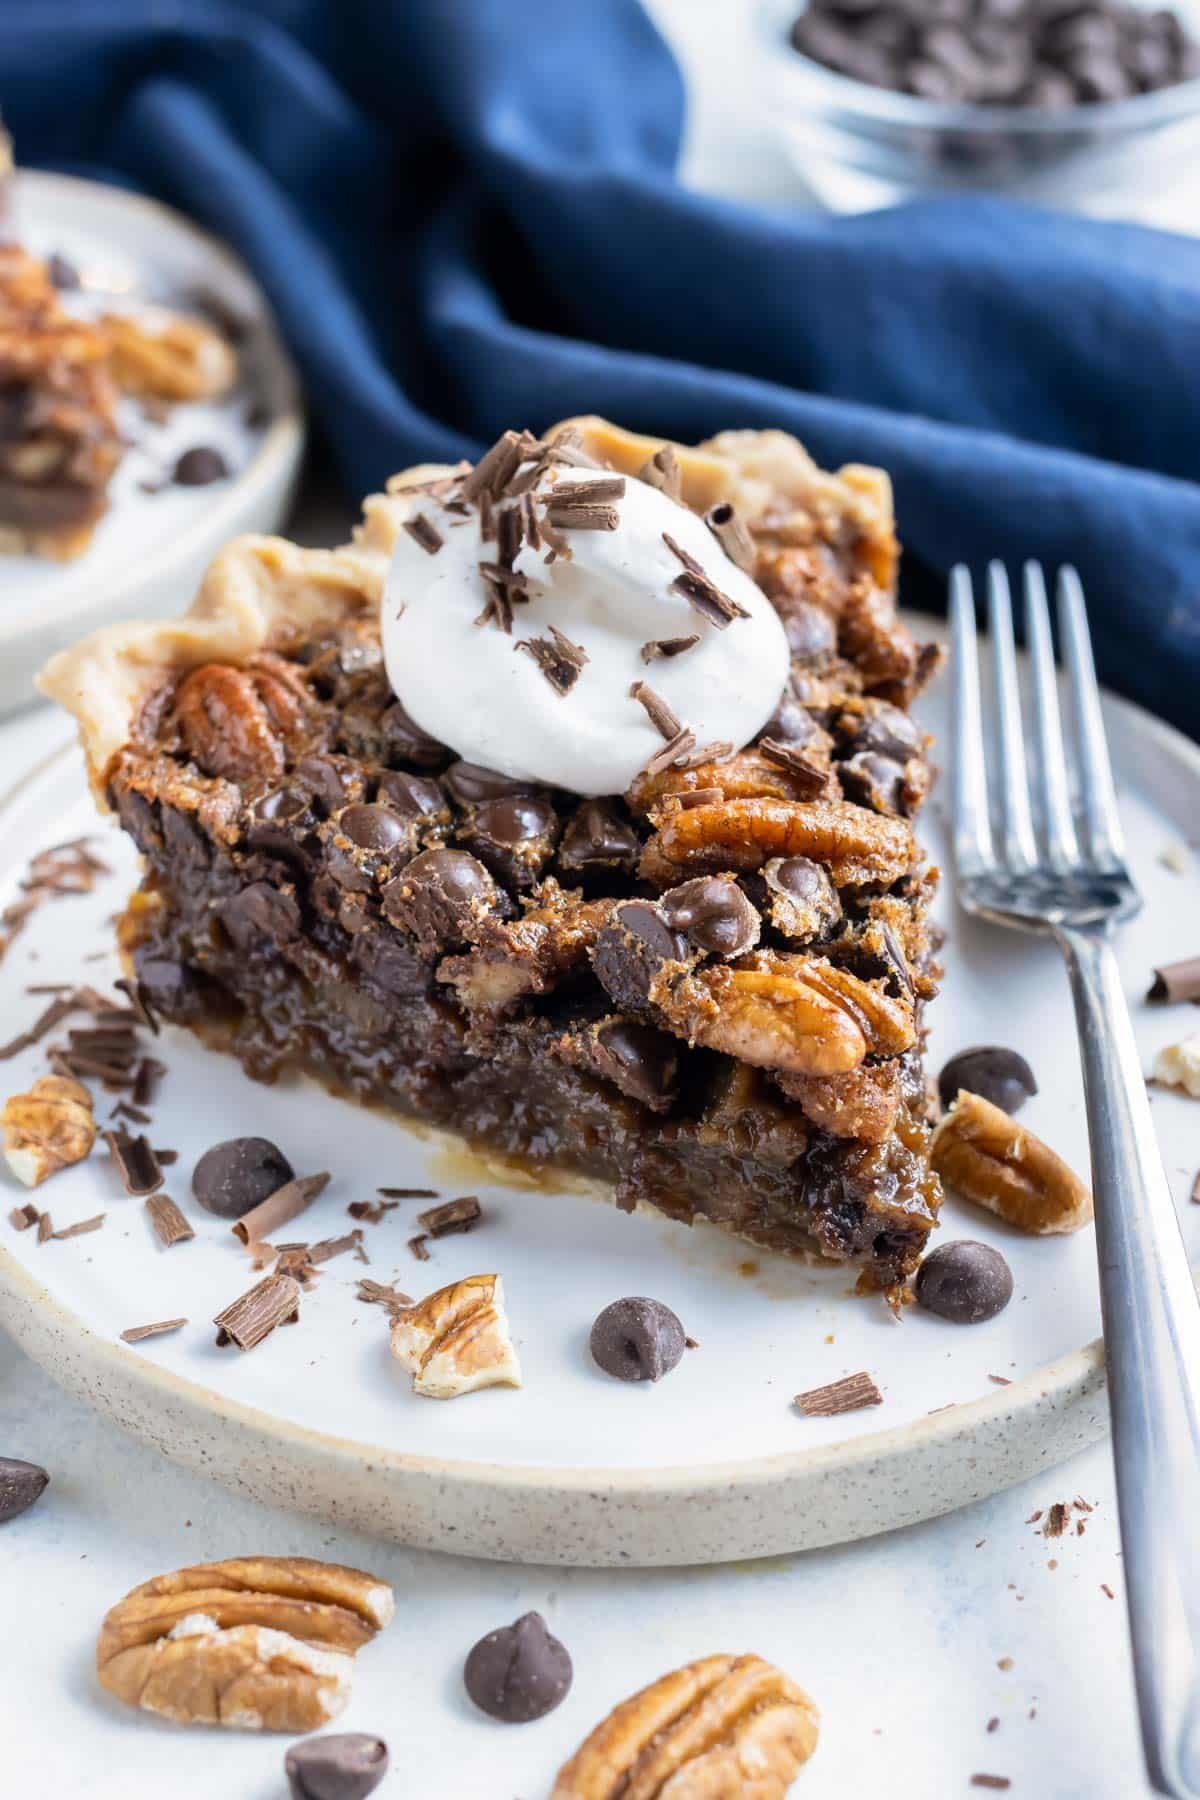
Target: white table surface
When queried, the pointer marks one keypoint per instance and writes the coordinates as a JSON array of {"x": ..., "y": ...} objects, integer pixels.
[{"x": 899, "y": 1639}]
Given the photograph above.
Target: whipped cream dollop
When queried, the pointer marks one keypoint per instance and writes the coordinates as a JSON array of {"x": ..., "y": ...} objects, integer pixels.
[{"x": 474, "y": 687}]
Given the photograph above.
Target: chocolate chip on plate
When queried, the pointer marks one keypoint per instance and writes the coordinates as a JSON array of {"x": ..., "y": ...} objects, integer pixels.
[
  {"x": 21, "y": 1483},
  {"x": 713, "y": 914},
  {"x": 518, "y": 1673},
  {"x": 998, "y": 1074},
  {"x": 966, "y": 1282},
  {"x": 344, "y": 1765},
  {"x": 637, "y": 1339},
  {"x": 240, "y": 1173},
  {"x": 199, "y": 467}
]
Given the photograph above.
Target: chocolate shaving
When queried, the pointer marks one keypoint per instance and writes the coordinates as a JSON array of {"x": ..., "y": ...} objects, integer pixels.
[
  {"x": 395, "y": 1193},
  {"x": 45, "y": 1228},
  {"x": 247, "y": 1320},
  {"x": 680, "y": 744},
  {"x": 327, "y": 1248},
  {"x": 659, "y": 713},
  {"x": 1056, "y": 1520},
  {"x": 495, "y": 468},
  {"x": 587, "y": 493},
  {"x": 170, "y": 1225},
  {"x": 999, "y": 1782},
  {"x": 371, "y": 1210},
  {"x": 850, "y": 1394},
  {"x": 1176, "y": 981},
  {"x": 417, "y": 1246},
  {"x": 656, "y": 647},
  {"x": 285, "y": 1204},
  {"x": 167, "y": 1157},
  {"x": 374, "y": 1293},
  {"x": 136, "y": 1163},
  {"x": 55, "y": 873},
  {"x": 1105, "y": 1589},
  {"x": 454, "y": 1215},
  {"x": 696, "y": 757},
  {"x": 487, "y": 518},
  {"x": 133, "y": 1334},
  {"x": 567, "y": 448},
  {"x": 792, "y": 757},
  {"x": 123, "y": 1110},
  {"x": 423, "y": 531},
  {"x": 1000, "y": 1380},
  {"x": 53, "y": 1015},
  {"x": 581, "y": 515},
  {"x": 701, "y": 591},
  {"x": 82, "y": 1226},
  {"x": 22, "y": 1217},
  {"x": 557, "y": 657},
  {"x": 731, "y": 534},
  {"x": 531, "y": 525},
  {"x": 662, "y": 471},
  {"x": 136, "y": 993}
]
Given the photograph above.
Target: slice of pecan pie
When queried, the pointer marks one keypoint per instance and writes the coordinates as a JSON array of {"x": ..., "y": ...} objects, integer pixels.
[{"x": 703, "y": 990}]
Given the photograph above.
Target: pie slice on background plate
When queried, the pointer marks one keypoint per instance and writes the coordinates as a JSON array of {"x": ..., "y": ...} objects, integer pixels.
[{"x": 703, "y": 992}]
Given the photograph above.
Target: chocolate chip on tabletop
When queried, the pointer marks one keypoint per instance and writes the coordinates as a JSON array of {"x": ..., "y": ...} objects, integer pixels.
[
  {"x": 239, "y": 1174},
  {"x": 965, "y": 1282},
  {"x": 637, "y": 1340},
  {"x": 21, "y": 1483},
  {"x": 997, "y": 1073},
  {"x": 200, "y": 467},
  {"x": 342, "y": 1765},
  {"x": 518, "y": 1673}
]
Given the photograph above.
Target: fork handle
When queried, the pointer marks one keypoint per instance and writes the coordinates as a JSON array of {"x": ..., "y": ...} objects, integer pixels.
[{"x": 1152, "y": 1346}]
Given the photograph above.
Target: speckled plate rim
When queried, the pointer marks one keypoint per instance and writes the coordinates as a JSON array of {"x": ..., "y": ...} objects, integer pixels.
[
  {"x": 674, "y": 1515},
  {"x": 270, "y": 469}
]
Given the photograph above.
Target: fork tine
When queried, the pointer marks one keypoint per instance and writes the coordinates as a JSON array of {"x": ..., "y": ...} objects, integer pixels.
[
  {"x": 1020, "y": 845},
  {"x": 972, "y": 827},
  {"x": 1062, "y": 847},
  {"x": 1101, "y": 820}
]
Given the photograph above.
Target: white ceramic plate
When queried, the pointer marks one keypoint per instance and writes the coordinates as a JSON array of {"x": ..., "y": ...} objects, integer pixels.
[
  {"x": 711, "y": 1465},
  {"x": 150, "y": 550}
]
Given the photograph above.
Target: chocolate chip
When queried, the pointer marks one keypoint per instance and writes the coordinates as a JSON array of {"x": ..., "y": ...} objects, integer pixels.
[
  {"x": 258, "y": 915},
  {"x": 372, "y": 827},
  {"x": 965, "y": 1282},
  {"x": 199, "y": 467},
  {"x": 412, "y": 796},
  {"x": 883, "y": 728},
  {"x": 518, "y": 1673},
  {"x": 790, "y": 723},
  {"x": 169, "y": 985},
  {"x": 345, "y": 1765},
  {"x": 333, "y": 781},
  {"x": 21, "y": 1483},
  {"x": 471, "y": 783},
  {"x": 632, "y": 948},
  {"x": 811, "y": 633},
  {"x": 404, "y": 740},
  {"x": 238, "y": 1174},
  {"x": 637, "y": 1059},
  {"x": 873, "y": 780},
  {"x": 598, "y": 836},
  {"x": 998, "y": 1074},
  {"x": 801, "y": 900},
  {"x": 62, "y": 271},
  {"x": 439, "y": 896},
  {"x": 513, "y": 835},
  {"x": 714, "y": 915},
  {"x": 637, "y": 1340}
]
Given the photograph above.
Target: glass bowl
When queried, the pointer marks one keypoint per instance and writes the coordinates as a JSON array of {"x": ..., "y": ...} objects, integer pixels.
[{"x": 858, "y": 146}]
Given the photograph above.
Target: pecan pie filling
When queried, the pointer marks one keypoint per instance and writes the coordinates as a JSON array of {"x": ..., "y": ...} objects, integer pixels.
[{"x": 705, "y": 991}]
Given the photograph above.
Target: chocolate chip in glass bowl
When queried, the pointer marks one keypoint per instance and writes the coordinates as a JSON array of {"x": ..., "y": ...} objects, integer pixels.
[
  {"x": 200, "y": 467},
  {"x": 21, "y": 1484},
  {"x": 714, "y": 915},
  {"x": 637, "y": 1339},
  {"x": 342, "y": 1765},
  {"x": 965, "y": 1282},
  {"x": 598, "y": 837},
  {"x": 991, "y": 1070},
  {"x": 238, "y": 1174},
  {"x": 439, "y": 896},
  {"x": 632, "y": 948},
  {"x": 518, "y": 1673}
]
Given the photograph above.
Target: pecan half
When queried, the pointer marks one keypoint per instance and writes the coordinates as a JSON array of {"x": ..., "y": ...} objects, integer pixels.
[
  {"x": 986, "y": 1155},
  {"x": 260, "y": 1643},
  {"x": 168, "y": 356},
  {"x": 48, "y": 1128},
  {"x": 723, "y": 1727},
  {"x": 859, "y": 848},
  {"x": 239, "y": 722},
  {"x": 456, "y": 1340},
  {"x": 780, "y": 1011}
]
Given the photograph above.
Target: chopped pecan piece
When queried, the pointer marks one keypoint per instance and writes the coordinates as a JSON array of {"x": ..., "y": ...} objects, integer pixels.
[
  {"x": 725, "y": 1726},
  {"x": 985, "y": 1154},
  {"x": 529, "y": 955},
  {"x": 860, "y": 849},
  {"x": 877, "y": 640},
  {"x": 240, "y": 722},
  {"x": 260, "y": 1643},
  {"x": 862, "y": 1103},
  {"x": 457, "y": 1340},
  {"x": 48, "y": 1128}
]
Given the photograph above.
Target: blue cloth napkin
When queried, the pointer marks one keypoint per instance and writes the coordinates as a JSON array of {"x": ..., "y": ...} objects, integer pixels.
[{"x": 466, "y": 215}]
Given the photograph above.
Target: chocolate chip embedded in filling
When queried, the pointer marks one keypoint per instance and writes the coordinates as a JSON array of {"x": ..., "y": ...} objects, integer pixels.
[
  {"x": 471, "y": 784},
  {"x": 259, "y": 917},
  {"x": 332, "y": 781},
  {"x": 714, "y": 915},
  {"x": 800, "y": 899},
  {"x": 639, "y": 1060},
  {"x": 873, "y": 780},
  {"x": 416, "y": 797},
  {"x": 404, "y": 741},
  {"x": 441, "y": 897},
  {"x": 373, "y": 827},
  {"x": 514, "y": 835},
  {"x": 790, "y": 723},
  {"x": 880, "y": 727},
  {"x": 598, "y": 837},
  {"x": 632, "y": 950}
]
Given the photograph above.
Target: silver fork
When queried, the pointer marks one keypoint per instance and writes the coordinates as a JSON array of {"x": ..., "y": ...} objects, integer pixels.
[{"x": 1027, "y": 857}]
